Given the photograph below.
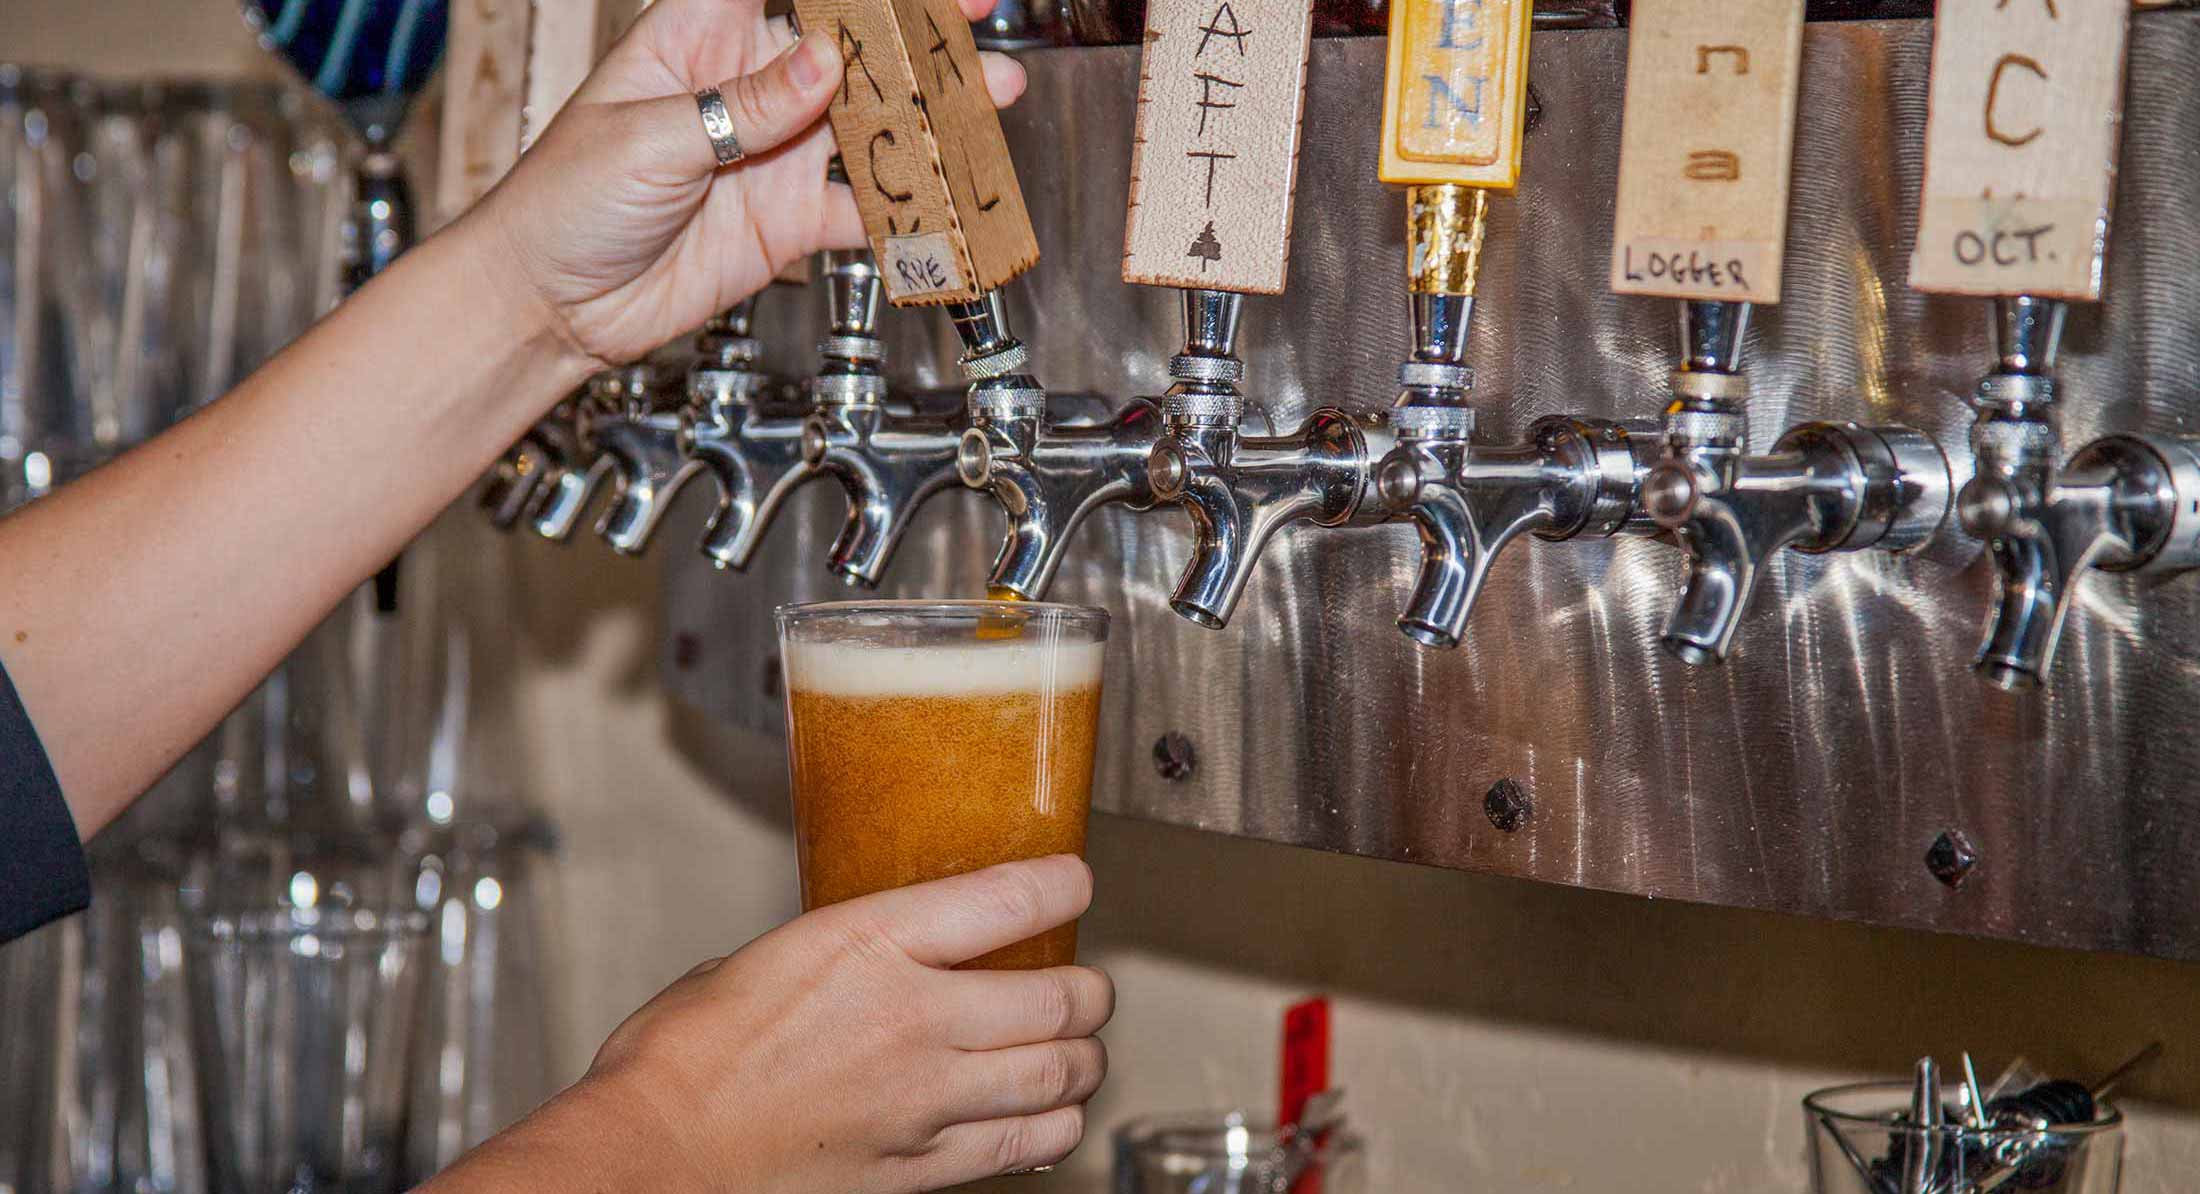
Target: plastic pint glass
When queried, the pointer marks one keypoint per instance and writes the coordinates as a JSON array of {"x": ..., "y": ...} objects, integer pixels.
[{"x": 933, "y": 738}]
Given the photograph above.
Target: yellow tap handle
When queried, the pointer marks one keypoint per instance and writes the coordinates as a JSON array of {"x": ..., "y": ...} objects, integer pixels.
[
  {"x": 1455, "y": 96},
  {"x": 1455, "y": 103}
]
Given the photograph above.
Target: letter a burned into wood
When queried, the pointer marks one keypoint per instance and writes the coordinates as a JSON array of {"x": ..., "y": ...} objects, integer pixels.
[
  {"x": 1220, "y": 88},
  {"x": 923, "y": 149}
]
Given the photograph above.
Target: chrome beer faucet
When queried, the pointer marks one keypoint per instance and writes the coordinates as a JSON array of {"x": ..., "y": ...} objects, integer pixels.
[
  {"x": 642, "y": 439},
  {"x": 2123, "y": 503},
  {"x": 570, "y": 483},
  {"x": 1047, "y": 478},
  {"x": 888, "y": 462},
  {"x": 1241, "y": 489},
  {"x": 1824, "y": 486},
  {"x": 1572, "y": 476},
  {"x": 522, "y": 478},
  {"x": 754, "y": 452}
]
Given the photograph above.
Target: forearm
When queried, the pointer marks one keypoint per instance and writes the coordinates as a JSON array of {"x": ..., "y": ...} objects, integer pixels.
[{"x": 140, "y": 604}]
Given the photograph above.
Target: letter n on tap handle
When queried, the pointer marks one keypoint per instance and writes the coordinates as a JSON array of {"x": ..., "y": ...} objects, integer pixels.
[
  {"x": 2020, "y": 147},
  {"x": 924, "y": 150},
  {"x": 1221, "y": 86},
  {"x": 1456, "y": 92},
  {"x": 1706, "y": 143}
]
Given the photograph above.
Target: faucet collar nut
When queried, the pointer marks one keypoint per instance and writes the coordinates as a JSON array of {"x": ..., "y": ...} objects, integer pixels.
[
  {"x": 1433, "y": 422},
  {"x": 864, "y": 389},
  {"x": 852, "y": 348},
  {"x": 1222, "y": 410},
  {"x": 2014, "y": 391},
  {"x": 1016, "y": 403},
  {"x": 1706, "y": 428},
  {"x": 1001, "y": 363},
  {"x": 1712, "y": 387},
  {"x": 1435, "y": 375},
  {"x": 1226, "y": 370}
]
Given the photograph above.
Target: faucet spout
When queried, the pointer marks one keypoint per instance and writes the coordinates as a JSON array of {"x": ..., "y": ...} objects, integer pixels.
[
  {"x": 1048, "y": 480},
  {"x": 1824, "y": 487},
  {"x": 888, "y": 467},
  {"x": 1240, "y": 490},
  {"x": 2122, "y": 503},
  {"x": 644, "y": 442}
]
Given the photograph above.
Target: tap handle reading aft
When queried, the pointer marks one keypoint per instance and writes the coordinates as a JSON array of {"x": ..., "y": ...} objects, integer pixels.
[
  {"x": 2020, "y": 148},
  {"x": 1706, "y": 139},
  {"x": 923, "y": 149},
  {"x": 1215, "y": 157}
]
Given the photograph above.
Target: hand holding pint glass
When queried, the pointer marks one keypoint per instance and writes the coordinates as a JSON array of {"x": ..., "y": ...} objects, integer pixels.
[{"x": 929, "y": 739}]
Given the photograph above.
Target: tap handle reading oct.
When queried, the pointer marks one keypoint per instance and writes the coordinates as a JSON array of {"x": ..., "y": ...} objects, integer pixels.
[
  {"x": 1705, "y": 146},
  {"x": 923, "y": 150},
  {"x": 2020, "y": 147},
  {"x": 1215, "y": 160}
]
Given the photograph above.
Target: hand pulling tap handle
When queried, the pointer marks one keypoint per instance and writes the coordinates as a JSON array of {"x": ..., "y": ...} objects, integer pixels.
[
  {"x": 2123, "y": 502},
  {"x": 930, "y": 169},
  {"x": 1705, "y": 223}
]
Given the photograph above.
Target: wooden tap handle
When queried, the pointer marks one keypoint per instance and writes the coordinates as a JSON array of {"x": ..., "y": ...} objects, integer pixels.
[
  {"x": 1455, "y": 97},
  {"x": 2020, "y": 147},
  {"x": 1215, "y": 157},
  {"x": 924, "y": 150},
  {"x": 1706, "y": 143}
]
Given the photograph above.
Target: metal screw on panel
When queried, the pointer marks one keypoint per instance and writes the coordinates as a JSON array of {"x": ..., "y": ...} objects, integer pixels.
[
  {"x": 686, "y": 650},
  {"x": 1507, "y": 806},
  {"x": 774, "y": 684},
  {"x": 1951, "y": 857},
  {"x": 1173, "y": 757}
]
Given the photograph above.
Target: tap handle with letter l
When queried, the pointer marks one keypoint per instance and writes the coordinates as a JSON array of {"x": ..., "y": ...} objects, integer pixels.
[
  {"x": 923, "y": 150},
  {"x": 1705, "y": 156},
  {"x": 2020, "y": 161}
]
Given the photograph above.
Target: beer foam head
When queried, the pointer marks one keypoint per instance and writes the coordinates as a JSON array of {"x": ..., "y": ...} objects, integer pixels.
[{"x": 860, "y": 669}]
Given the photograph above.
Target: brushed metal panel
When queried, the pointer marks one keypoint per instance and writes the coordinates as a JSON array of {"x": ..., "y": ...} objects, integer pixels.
[{"x": 1813, "y": 771}]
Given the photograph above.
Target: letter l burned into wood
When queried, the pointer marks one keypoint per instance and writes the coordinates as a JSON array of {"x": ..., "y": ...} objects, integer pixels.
[{"x": 924, "y": 150}]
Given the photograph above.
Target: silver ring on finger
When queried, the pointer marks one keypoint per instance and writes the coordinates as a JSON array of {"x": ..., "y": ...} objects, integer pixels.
[{"x": 718, "y": 126}]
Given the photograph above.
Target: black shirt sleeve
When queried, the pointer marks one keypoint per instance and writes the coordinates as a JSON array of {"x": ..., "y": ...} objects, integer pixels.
[{"x": 42, "y": 871}]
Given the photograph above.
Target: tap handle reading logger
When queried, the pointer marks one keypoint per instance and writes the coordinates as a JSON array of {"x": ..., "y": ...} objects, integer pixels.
[
  {"x": 1706, "y": 141},
  {"x": 923, "y": 150}
]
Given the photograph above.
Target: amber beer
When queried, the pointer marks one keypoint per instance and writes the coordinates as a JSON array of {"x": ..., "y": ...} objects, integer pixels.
[{"x": 928, "y": 739}]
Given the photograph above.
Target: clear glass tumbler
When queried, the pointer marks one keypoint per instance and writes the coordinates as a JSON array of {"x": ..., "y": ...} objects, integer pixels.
[
  {"x": 302, "y": 1021},
  {"x": 1861, "y": 1142},
  {"x": 933, "y": 738},
  {"x": 1217, "y": 1152}
]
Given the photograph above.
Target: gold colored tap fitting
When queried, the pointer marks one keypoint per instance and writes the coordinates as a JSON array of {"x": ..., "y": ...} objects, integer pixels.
[{"x": 1444, "y": 227}]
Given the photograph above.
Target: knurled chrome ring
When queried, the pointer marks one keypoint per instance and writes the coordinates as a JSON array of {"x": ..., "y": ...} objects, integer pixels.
[
  {"x": 996, "y": 364},
  {"x": 1705, "y": 426},
  {"x": 1204, "y": 408},
  {"x": 2013, "y": 439},
  {"x": 852, "y": 348},
  {"x": 718, "y": 126},
  {"x": 1223, "y": 369},
  {"x": 1691, "y": 383},
  {"x": 1433, "y": 422},
  {"x": 2014, "y": 389},
  {"x": 849, "y": 387},
  {"x": 1020, "y": 403},
  {"x": 1435, "y": 375}
]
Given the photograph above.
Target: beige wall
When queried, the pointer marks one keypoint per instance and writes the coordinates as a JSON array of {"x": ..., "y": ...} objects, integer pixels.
[{"x": 1494, "y": 1035}]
